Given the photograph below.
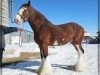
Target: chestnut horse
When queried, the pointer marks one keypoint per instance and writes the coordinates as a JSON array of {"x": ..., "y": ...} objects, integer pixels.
[{"x": 47, "y": 34}]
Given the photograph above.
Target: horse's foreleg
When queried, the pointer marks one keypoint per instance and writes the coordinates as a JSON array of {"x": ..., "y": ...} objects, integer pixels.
[
  {"x": 45, "y": 68},
  {"x": 42, "y": 59},
  {"x": 80, "y": 65}
]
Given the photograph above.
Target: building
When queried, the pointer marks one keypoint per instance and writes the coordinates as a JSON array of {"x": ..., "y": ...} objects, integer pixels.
[
  {"x": 14, "y": 38},
  {"x": 4, "y": 13},
  {"x": 88, "y": 38}
]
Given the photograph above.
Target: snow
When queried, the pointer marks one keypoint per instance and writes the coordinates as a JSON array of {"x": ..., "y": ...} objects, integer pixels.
[
  {"x": 26, "y": 47},
  {"x": 14, "y": 50},
  {"x": 62, "y": 59}
]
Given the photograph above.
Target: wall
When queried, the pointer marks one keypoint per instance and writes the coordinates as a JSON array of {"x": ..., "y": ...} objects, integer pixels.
[{"x": 4, "y": 12}]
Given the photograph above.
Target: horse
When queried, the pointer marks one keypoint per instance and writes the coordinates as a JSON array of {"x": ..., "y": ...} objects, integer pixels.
[{"x": 48, "y": 34}]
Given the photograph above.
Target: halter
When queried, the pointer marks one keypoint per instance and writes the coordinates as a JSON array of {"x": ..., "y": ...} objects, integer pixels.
[
  {"x": 22, "y": 17},
  {"x": 19, "y": 15}
]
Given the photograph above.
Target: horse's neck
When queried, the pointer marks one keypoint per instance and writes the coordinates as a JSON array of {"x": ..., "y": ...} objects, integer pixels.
[
  {"x": 36, "y": 27},
  {"x": 32, "y": 24}
]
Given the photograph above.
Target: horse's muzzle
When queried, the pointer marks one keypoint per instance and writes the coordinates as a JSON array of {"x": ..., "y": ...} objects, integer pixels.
[{"x": 18, "y": 19}]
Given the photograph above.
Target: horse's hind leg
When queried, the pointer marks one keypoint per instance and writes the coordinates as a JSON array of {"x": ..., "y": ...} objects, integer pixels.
[
  {"x": 80, "y": 65},
  {"x": 74, "y": 45},
  {"x": 81, "y": 48}
]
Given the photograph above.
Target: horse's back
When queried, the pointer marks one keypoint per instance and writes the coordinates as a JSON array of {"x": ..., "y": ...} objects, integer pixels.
[
  {"x": 72, "y": 25},
  {"x": 70, "y": 28},
  {"x": 77, "y": 31}
]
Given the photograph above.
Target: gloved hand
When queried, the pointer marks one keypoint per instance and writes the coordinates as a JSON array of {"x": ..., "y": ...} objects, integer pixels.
[{"x": 20, "y": 29}]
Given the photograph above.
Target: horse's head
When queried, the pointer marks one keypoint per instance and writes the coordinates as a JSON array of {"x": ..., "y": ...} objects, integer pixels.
[{"x": 23, "y": 13}]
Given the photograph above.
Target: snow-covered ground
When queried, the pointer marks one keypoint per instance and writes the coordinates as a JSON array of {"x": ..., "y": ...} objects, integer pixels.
[{"x": 61, "y": 57}]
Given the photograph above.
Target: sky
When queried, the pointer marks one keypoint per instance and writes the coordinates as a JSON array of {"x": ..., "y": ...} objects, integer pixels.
[{"x": 83, "y": 12}]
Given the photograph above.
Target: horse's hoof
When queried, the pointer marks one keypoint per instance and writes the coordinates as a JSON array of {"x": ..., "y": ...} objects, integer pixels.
[
  {"x": 79, "y": 68},
  {"x": 41, "y": 71}
]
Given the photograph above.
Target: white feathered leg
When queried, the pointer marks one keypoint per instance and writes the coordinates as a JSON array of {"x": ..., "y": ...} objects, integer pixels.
[
  {"x": 80, "y": 65},
  {"x": 45, "y": 68},
  {"x": 42, "y": 62}
]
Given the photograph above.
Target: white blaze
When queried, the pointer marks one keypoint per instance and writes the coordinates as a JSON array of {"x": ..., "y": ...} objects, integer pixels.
[
  {"x": 18, "y": 17},
  {"x": 21, "y": 10}
]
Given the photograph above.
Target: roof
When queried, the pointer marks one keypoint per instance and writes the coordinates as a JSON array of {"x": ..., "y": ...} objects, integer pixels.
[{"x": 87, "y": 34}]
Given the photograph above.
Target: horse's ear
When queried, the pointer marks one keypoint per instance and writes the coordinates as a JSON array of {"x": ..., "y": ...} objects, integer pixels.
[
  {"x": 39, "y": 20},
  {"x": 29, "y": 3}
]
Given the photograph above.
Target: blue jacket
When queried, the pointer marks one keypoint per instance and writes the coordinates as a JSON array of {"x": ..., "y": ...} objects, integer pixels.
[{"x": 5, "y": 30}]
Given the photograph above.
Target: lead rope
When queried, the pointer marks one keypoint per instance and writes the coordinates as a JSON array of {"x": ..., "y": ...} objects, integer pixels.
[{"x": 20, "y": 38}]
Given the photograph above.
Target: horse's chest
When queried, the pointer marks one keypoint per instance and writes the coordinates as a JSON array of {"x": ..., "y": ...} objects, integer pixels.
[{"x": 42, "y": 36}]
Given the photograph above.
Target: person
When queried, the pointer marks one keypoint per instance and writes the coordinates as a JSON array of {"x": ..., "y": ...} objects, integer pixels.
[{"x": 5, "y": 30}]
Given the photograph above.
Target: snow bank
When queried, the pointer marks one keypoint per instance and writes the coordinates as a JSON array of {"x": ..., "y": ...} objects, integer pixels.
[{"x": 14, "y": 50}]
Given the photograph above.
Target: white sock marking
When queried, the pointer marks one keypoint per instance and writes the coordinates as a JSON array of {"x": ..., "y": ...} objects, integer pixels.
[
  {"x": 45, "y": 68},
  {"x": 80, "y": 65}
]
